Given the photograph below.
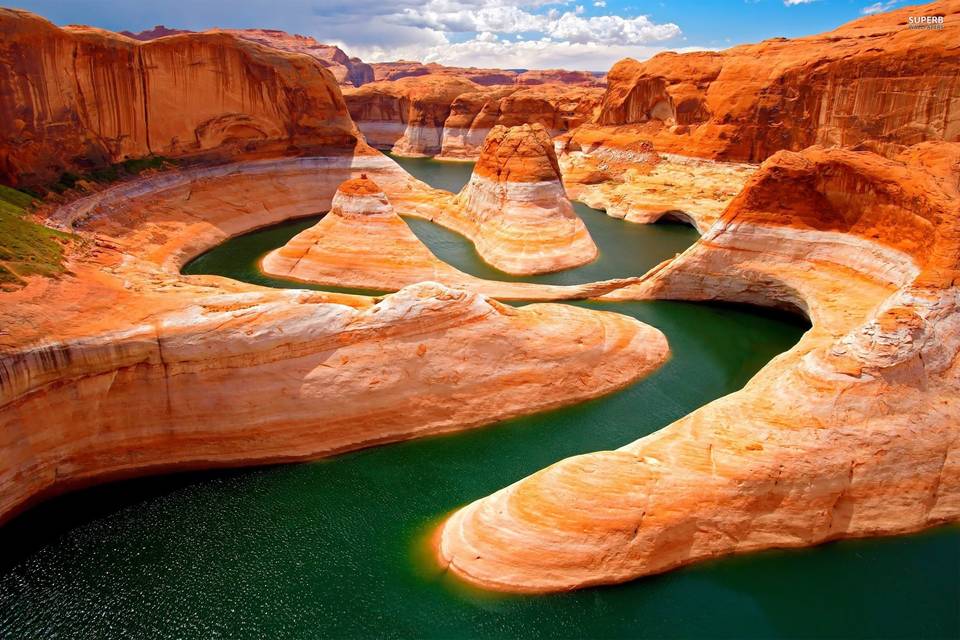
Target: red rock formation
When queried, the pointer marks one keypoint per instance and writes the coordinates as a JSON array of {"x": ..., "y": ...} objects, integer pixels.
[
  {"x": 561, "y": 76},
  {"x": 853, "y": 432},
  {"x": 349, "y": 72},
  {"x": 389, "y": 71},
  {"x": 79, "y": 97},
  {"x": 515, "y": 209},
  {"x": 486, "y": 77},
  {"x": 159, "y": 31},
  {"x": 406, "y": 115},
  {"x": 126, "y": 367},
  {"x": 363, "y": 242},
  {"x": 871, "y": 82},
  {"x": 558, "y": 108}
]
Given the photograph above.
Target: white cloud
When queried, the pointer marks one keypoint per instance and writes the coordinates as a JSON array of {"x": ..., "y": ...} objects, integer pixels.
[
  {"x": 600, "y": 3},
  {"x": 544, "y": 53},
  {"x": 791, "y": 3},
  {"x": 878, "y": 7},
  {"x": 453, "y": 16}
]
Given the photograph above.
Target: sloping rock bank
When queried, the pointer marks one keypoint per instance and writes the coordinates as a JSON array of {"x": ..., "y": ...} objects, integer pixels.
[
  {"x": 80, "y": 98},
  {"x": 853, "y": 432},
  {"x": 126, "y": 367},
  {"x": 362, "y": 242}
]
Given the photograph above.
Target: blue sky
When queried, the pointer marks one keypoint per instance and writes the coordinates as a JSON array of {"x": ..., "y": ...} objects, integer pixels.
[{"x": 587, "y": 34}]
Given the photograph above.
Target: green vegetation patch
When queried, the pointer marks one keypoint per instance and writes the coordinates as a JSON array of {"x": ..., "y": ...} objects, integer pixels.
[{"x": 26, "y": 248}]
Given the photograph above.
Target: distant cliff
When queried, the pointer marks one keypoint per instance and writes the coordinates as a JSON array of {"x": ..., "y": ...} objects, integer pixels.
[
  {"x": 873, "y": 82},
  {"x": 77, "y": 98}
]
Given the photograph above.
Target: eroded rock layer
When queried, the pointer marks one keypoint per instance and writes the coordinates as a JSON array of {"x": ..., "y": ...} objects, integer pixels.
[
  {"x": 362, "y": 242},
  {"x": 124, "y": 366},
  {"x": 515, "y": 209},
  {"x": 853, "y": 432},
  {"x": 350, "y": 72},
  {"x": 406, "y": 115},
  {"x": 472, "y": 115},
  {"x": 78, "y": 98},
  {"x": 874, "y": 82},
  {"x": 449, "y": 116}
]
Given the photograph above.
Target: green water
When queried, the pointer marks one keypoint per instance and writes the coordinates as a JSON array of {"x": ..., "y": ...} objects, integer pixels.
[{"x": 336, "y": 548}]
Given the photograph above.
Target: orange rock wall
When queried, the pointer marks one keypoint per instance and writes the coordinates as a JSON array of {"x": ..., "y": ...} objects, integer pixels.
[
  {"x": 76, "y": 98},
  {"x": 873, "y": 82}
]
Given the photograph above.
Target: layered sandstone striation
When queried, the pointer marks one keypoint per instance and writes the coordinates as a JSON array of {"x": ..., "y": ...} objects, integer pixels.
[
  {"x": 406, "y": 115},
  {"x": 473, "y": 115},
  {"x": 123, "y": 366},
  {"x": 349, "y": 72},
  {"x": 514, "y": 207},
  {"x": 629, "y": 179},
  {"x": 450, "y": 116},
  {"x": 853, "y": 432},
  {"x": 78, "y": 98},
  {"x": 871, "y": 82},
  {"x": 362, "y": 242}
]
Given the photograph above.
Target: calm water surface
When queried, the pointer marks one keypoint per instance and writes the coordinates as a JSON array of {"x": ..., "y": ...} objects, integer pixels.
[{"x": 336, "y": 548}]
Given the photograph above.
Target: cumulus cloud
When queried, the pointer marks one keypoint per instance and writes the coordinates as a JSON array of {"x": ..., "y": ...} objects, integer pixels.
[
  {"x": 542, "y": 53},
  {"x": 573, "y": 26},
  {"x": 600, "y": 3},
  {"x": 878, "y": 7}
]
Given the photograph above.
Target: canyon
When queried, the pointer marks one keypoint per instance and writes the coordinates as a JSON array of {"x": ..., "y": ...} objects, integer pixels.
[
  {"x": 822, "y": 174},
  {"x": 850, "y": 433}
]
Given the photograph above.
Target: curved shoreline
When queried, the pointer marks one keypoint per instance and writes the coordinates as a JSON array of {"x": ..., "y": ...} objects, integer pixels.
[
  {"x": 139, "y": 366},
  {"x": 850, "y": 433}
]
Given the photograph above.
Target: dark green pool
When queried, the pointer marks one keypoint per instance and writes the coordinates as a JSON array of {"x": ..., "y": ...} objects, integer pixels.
[{"x": 336, "y": 548}]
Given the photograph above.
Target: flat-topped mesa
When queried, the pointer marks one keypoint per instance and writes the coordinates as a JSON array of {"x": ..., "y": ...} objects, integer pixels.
[
  {"x": 853, "y": 432},
  {"x": 522, "y": 221},
  {"x": 362, "y": 242}
]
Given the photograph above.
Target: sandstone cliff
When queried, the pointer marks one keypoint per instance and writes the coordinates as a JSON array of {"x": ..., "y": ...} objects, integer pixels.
[
  {"x": 350, "y": 72},
  {"x": 871, "y": 82},
  {"x": 406, "y": 115},
  {"x": 449, "y": 116},
  {"x": 78, "y": 98},
  {"x": 853, "y": 432},
  {"x": 126, "y": 367},
  {"x": 472, "y": 115},
  {"x": 485, "y": 77}
]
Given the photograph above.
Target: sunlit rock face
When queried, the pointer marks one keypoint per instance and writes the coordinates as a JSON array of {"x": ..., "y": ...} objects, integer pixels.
[
  {"x": 872, "y": 82},
  {"x": 349, "y": 72},
  {"x": 558, "y": 108},
  {"x": 124, "y": 366},
  {"x": 517, "y": 209},
  {"x": 362, "y": 242},
  {"x": 77, "y": 98},
  {"x": 852, "y": 432},
  {"x": 407, "y": 115}
]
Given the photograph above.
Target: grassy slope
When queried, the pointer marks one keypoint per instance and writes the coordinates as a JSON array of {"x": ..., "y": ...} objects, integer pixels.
[{"x": 26, "y": 248}]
